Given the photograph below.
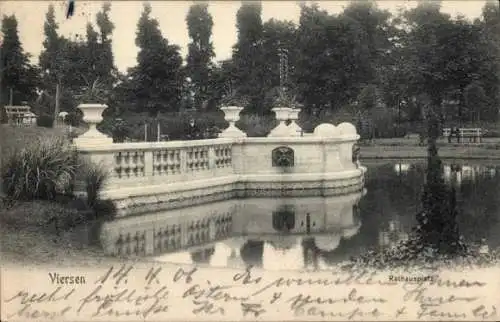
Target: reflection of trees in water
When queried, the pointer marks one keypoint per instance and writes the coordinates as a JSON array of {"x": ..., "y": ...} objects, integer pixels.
[
  {"x": 391, "y": 196},
  {"x": 480, "y": 209}
]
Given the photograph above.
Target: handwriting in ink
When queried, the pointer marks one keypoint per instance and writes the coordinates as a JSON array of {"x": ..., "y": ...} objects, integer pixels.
[
  {"x": 215, "y": 293},
  {"x": 207, "y": 307},
  {"x": 418, "y": 294},
  {"x": 29, "y": 313},
  {"x": 401, "y": 311},
  {"x": 432, "y": 311},
  {"x": 153, "y": 275},
  {"x": 300, "y": 301},
  {"x": 481, "y": 312},
  {"x": 356, "y": 278},
  {"x": 154, "y": 308},
  {"x": 255, "y": 309},
  {"x": 55, "y": 296},
  {"x": 132, "y": 297},
  {"x": 187, "y": 274},
  {"x": 246, "y": 277},
  {"x": 276, "y": 296},
  {"x": 314, "y": 311},
  {"x": 118, "y": 276}
]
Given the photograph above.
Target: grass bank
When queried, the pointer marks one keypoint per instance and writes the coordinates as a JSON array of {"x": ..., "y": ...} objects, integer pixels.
[
  {"x": 409, "y": 148},
  {"x": 37, "y": 227}
]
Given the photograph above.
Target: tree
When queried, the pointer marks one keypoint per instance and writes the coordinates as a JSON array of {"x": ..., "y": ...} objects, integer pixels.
[
  {"x": 248, "y": 55},
  {"x": 437, "y": 223},
  {"x": 158, "y": 77},
  {"x": 332, "y": 61},
  {"x": 200, "y": 51},
  {"x": 105, "y": 68},
  {"x": 19, "y": 77},
  {"x": 476, "y": 101},
  {"x": 52, "y": 62},
  {"x": 377, "y": 29},
  {"x": 367, "y": 99},
  {"x": 443, "y": 56},
  {"x": 278, "y": 38}
]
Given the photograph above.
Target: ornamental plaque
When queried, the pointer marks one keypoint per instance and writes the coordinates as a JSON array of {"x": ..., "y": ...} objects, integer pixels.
[{"x": 283, "y": 156}]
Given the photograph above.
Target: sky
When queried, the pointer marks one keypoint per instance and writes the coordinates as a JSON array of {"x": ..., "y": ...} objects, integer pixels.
[{"x": 171, "y": 16}]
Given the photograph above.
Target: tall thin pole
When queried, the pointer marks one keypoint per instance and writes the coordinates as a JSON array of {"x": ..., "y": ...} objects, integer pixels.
[
  {"x": 11, "y": 96},
  {"x": 145, "y": 132},
  {"x": 56, "y": 108},
  {"x": 158, "y": 132},
  {"x": 1, "y": 72},
  {"x": 283, "y": 54}
]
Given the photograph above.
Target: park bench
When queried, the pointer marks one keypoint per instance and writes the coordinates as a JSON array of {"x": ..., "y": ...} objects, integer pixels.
[{"x": 472, "y": 134}]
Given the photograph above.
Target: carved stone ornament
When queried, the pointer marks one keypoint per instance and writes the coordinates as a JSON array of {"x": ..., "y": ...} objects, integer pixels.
[{"x": 283, "y": 157}]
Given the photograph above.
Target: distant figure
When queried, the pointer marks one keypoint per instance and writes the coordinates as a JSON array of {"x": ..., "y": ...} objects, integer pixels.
[{"x": 193, "y": 132}]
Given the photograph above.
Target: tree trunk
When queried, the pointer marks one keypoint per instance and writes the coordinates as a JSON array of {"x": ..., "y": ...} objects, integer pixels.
[{"x": 56, "y": 109}]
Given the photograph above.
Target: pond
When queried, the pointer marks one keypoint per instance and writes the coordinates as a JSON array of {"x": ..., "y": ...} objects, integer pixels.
[{"x": 307, "y": 232}]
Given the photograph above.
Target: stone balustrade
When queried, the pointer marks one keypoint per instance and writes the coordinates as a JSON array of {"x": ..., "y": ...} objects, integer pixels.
[{"x": 149, "y": 176}]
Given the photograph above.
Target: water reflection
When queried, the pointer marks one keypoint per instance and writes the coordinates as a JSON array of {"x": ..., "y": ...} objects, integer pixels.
[
  {"x": 308, "y": 233},
  {"x": 393, "y": 200},
  {"x": 273, "y": 233}
]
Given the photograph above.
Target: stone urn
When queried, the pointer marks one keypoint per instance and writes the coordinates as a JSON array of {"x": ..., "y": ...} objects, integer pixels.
[
  {"x": 232, "y": 115},
  {"x": 92, "y": 115},
  {"x": 293, "y": 128},
  {"x": 282, "y": 115}
]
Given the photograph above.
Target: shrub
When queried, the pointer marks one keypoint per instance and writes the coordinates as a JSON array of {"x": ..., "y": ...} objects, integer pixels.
[
  {"x": 95, "y": 176},
  {"x": 44, "y": 168},
  {"x": 45, "y": 121},
  {"x": 256, "y": 125}
]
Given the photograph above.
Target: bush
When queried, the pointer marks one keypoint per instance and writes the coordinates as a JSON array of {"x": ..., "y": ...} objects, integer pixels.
[
  {"x": 43, "y": 169},
  {"x": 256, "y": 125},
  {"x": 45, "y": 121},
  {"x": 492, "y": 134},
  {"x": 95, "y": 176}
]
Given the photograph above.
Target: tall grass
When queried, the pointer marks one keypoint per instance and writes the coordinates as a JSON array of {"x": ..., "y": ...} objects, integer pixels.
[
  {"x": 95, "y": 175},
  {"x": 41, "y": 170}
]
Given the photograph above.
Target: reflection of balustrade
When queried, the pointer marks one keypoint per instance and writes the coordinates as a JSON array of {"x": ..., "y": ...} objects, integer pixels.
[
  {"x": 167, "y": 239},
  {"x": 131, "y": 244}
]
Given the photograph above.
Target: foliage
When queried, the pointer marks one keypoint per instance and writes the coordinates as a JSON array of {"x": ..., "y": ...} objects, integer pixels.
[
  {"x": 94, "y": 92},
  {"x": 476, "y": 101},
  {"x": 437, "y": 226},
  {"x": 157, "y": 80},
  {"x": 255, "y": 125},
  {"x": 200, "y": 52},
  {"x": 409, "y": 254},
  {"x": 18, "y": 74},
  {"x": 41, "y": 170},
  {"x": 247, "y": 59},
  {"x": 95, "y": 176},
  {"x": 45, "y": 121},
  {"x": 367, "y": 98},
  {"x": 333, "y": 59}
]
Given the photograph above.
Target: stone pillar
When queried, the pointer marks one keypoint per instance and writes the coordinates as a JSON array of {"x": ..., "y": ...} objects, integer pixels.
[
  {"x": 293, "y": 128},
  {"x": 282, "y": 114}
]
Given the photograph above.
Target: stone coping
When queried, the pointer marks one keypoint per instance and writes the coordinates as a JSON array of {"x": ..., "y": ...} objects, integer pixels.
[{"x": 219, "y": 141}]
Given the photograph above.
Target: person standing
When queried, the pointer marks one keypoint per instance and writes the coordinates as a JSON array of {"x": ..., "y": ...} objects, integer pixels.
[{"x": 193, "y": 131}]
